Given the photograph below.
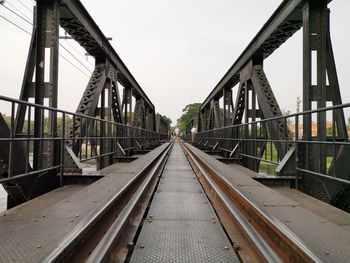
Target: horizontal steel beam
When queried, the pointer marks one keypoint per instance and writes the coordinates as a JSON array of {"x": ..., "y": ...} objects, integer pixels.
[
  {"x": 75, "y": 9},
  {"x": 284, "y": 22}
]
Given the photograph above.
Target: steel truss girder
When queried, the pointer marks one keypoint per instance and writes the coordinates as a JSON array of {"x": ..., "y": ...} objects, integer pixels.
[
  {"x": 316, "y": 36},
  {"x": 270, "y": 108},
  {"x": 104, "y": 78},
  {"x": 283, "y": 23},
  {"x": 215, "y": 115},
  {"x": 228, "y": 108},
  {"x": 44, "y": 41},
  {"x": 161, "y": 126},
  {"x": 139, "y": 118},
  {"x": 75, "y": 19}
]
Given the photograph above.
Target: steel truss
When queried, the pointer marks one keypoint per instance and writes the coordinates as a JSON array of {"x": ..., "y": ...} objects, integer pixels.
[
  {"x": 101, "y": 99},
  {"x": 255, "y": 101}
]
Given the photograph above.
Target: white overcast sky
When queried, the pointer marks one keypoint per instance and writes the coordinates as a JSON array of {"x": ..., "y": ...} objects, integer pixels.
[{"x": 177, "y": 50}]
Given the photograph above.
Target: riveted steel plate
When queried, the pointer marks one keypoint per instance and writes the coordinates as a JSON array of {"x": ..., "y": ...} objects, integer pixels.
[
  {"x": 178, "y": 167},
  {"x": 180, "y": 186},
  {"x": 29, "y": 233},
  {"x": 178, "y": 175},
  {"x": 182, "y": 241},
  {"x": 327, "y": 240},
  {"x": 265, "y": 196},
  {"x": 181, "y": 206},
  {"x": 181, "y": 225}
]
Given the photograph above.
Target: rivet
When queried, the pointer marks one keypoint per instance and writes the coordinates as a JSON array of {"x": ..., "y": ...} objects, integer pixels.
[
  {"x": 38, "y": 246},
  {"x": 226, "y": 247},
  {"x": 142, "y": 246},
  {"x": 327, "y": 253},
  {"x": 130, "y": 244}
]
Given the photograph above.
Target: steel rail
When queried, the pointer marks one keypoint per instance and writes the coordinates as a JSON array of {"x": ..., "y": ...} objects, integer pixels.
[
  {"x": 90, "y": 223},
  {"x": 104, "y": 249},
  {"x": 274, "y": 241}
]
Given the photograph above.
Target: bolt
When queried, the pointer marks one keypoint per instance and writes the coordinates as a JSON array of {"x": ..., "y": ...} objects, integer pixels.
[{"x": 130, "y": 244}]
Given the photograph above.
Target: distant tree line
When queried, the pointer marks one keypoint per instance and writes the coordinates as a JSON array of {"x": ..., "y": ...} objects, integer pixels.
[{"x": 190, "y": 111}]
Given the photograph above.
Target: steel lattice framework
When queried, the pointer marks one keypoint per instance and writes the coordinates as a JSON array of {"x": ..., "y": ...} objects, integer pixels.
[
  {"x": 101, "y": 100},
  {"x": 255, "y": 102}
]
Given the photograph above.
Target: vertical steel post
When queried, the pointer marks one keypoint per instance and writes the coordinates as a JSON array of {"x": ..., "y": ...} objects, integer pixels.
[{"x": 47, "y": 37}]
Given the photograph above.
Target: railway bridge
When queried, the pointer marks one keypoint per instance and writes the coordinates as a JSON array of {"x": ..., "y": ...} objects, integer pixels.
[{"x": 109, "y": 182}]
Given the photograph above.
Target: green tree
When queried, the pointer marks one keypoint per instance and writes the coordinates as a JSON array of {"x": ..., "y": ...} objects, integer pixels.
[
  {"x": 190, "y": 111},
  {"x": 168, "y": 122}
]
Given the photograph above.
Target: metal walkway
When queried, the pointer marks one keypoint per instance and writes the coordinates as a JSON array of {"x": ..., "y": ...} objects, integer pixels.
[{"x": 181, "y": 225}]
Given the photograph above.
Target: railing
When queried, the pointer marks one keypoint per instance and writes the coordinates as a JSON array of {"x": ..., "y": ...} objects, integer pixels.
[
  {"x": 317, "y": 151},
  {"x": 38, "y": 145}
]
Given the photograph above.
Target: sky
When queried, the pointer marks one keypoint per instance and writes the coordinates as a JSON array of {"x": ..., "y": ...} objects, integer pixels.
[{"x": 177, "y": 50}]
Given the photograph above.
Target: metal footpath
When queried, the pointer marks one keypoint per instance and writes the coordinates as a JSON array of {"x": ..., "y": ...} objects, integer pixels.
[{"x": 181, "y": 225}]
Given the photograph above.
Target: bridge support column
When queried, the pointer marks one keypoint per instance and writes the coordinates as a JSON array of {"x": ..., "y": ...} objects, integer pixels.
[{"x": 320, "y": 86}]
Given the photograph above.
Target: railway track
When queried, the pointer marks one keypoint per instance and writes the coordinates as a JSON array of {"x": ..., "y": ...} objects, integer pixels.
[
  {"x": 261, "y": 237},
  {"x": 111, "y": 232},
  {"x": 107, "y": 233}
]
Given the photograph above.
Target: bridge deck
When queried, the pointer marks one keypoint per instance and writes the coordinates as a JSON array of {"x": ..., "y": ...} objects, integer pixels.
[
  {"x": 320, "y": 228},
  {"x": 32, "y": 230},
  {"x": 181, "y": 225}
]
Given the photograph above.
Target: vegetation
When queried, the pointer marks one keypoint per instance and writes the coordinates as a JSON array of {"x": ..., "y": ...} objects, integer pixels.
[
  {"x": 190, "y": 111},
  {"x": 68, "y": 124}
]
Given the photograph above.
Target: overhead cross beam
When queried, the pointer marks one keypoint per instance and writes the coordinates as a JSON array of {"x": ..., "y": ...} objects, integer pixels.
[
  {"x": 81, "y": 26},
  {"x": 284, "y": 22}
]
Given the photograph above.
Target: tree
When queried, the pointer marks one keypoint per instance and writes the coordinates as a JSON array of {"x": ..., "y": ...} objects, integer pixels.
[
  {"x": 168, "y": 122},
  {"x": 190, "y": 111}
]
